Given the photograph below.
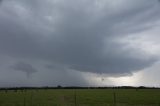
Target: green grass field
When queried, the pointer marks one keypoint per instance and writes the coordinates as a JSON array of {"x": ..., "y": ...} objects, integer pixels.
[{"x": 81, "y": 97}]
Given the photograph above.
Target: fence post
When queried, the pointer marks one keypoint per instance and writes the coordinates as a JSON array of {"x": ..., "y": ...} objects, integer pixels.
[
  {"x": 75, "y": 98},
  {"x": 24, "y": 101},
  {"x": 114, "y": 98},
  {"x": 31, "y": 97}
]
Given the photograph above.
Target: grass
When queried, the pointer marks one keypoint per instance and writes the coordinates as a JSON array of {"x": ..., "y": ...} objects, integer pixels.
[{"x": 81, "y": 97}]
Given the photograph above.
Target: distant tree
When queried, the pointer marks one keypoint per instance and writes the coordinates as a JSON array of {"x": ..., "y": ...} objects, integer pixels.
[
  {"x": 142, "y": 87},
  {"x": 59, "y": 86}
]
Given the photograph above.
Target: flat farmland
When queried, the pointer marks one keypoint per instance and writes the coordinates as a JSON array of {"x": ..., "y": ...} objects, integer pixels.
[{"x": 80, "y": 97}]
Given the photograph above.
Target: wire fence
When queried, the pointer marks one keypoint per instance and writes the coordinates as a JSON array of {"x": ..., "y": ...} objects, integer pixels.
[{"x": 70, "y": 98}]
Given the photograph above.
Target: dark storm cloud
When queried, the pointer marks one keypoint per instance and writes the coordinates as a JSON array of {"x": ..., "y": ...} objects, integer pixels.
[
  {"x": 24, "y": 67},
  {"x": 78, "y": 35}
]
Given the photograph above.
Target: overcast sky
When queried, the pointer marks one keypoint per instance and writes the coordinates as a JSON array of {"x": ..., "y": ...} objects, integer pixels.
[{"x": 79, "y": 42}]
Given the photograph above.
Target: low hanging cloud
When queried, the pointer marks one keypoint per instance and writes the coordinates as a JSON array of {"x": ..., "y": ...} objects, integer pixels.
[
  {"x": 85, "y": 35},
  {"x": 24, "y": 67}
]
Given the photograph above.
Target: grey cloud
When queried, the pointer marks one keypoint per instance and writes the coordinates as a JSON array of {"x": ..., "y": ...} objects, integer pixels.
[
  {"x": 24, "y": 67},
  {"x": 77, "y": 35}
]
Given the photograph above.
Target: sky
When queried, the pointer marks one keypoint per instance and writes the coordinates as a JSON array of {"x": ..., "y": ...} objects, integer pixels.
[{"x": 79, "y": 43}]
